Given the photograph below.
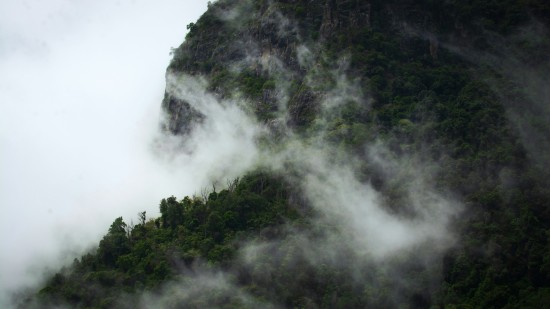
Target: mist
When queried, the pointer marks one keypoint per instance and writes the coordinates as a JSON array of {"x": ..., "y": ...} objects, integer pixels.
[
  {"x": 356, "y": 231},
  {"x": 81, "y": 145},
  {"x": 80, "y": 90}
]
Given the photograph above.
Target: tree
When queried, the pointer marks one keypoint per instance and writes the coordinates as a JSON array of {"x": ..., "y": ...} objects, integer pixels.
[
  {"x": 115, "y": 243},
  {"x": 142, "y": 218}
]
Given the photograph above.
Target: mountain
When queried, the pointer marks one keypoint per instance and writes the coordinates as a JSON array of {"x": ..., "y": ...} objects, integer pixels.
[{"x": 392, "y": 155}]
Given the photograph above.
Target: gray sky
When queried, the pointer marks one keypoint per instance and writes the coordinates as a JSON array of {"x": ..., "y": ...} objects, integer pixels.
[{"x": 80, "y": 89}]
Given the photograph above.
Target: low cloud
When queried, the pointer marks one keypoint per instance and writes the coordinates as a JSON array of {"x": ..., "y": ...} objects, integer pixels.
[
  {"x": 222, "y": 146},
  {"x": 80, "y": 88},
  {"x": 353, "y": 215},
  {"x": 359, "y": 229},
  {"x": 201, "y": 289},
  {"x": 358, "y": 218}
]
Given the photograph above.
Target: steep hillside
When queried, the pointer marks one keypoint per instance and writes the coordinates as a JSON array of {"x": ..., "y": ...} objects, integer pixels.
[{"x": 399, "y": 161}]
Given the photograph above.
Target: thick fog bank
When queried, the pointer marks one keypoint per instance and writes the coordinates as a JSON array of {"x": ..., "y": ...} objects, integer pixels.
[{"x": 80, "y": 87}]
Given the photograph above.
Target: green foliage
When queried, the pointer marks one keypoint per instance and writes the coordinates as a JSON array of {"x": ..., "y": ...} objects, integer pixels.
[
  {"x": 439, "y": 108},
  {"x": 253, "y": 84},
  {"x": 133, "y": 259}
]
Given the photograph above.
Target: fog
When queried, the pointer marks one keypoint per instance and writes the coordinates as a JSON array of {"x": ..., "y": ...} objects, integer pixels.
[
  {"x": 357, "y": 232},
  {"x": 80, "y": 90},
  {"x": 80, "y": 146}
]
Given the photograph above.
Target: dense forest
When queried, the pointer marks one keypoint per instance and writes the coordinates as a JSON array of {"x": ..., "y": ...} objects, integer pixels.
[{"x": 403, "y": 149}]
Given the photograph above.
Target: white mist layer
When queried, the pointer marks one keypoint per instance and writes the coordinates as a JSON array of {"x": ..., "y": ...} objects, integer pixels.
[
  {"x": 326, "y": 176},
  {"x": 223, "y": 145},
  {"x": 202, "y": 290},
  {"x": 80, "y": 89},
  {"x": 351, "y": 213},
  {"x": 358, "y": 209},
  {"x": 82, "y": 109}
]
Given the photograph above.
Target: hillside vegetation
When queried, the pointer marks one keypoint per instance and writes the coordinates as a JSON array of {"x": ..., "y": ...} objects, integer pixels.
[{"x": 437, "y": 109}]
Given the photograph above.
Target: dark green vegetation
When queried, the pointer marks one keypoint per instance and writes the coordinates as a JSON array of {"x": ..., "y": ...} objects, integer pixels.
[
  {"x": 425, "y": 92},
  {"x": 137, "y": 258}
]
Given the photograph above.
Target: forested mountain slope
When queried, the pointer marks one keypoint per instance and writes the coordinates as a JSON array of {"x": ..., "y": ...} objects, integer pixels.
[{"x": 399, "y": 160}]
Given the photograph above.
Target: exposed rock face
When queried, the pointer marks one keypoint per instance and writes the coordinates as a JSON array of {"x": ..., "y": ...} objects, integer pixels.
[
  {"x": 181, "y": 116},
  {"x": 266, "y": 47},
  {"x": 342, "y": 14}
]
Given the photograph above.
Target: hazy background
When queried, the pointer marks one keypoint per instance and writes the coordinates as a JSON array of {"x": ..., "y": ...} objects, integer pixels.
[{"x": 80, "y": 90}]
